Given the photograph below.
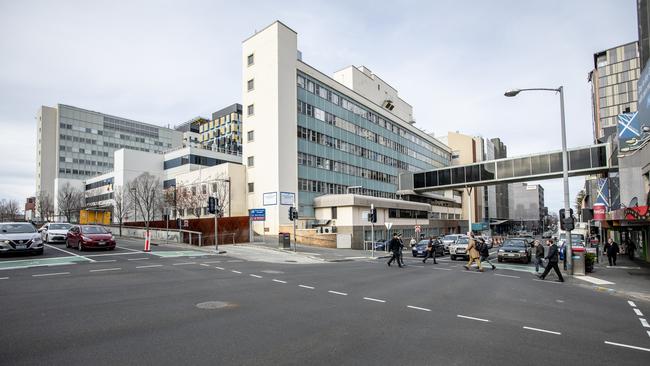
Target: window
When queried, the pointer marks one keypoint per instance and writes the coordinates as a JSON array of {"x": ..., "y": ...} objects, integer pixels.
[
  {"x": 251, "y": 84},
  {"x": 251, "y": 136},
  {"x": 251, "y": 161},
  {"x": 334, "y": 213},
  {"x": 251, "y": 187},
  {"x": 251, "y": 59},
  {"x": 251, "y": 109}
]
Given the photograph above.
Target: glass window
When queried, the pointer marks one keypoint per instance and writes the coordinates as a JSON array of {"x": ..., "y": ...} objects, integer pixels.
[
  {"x": 251, "y": 136},
  {"x": 431, "y": 178},
  {"x": 540, "y": 164},
  {"x": 521, "y": 167},
  {"x": 458, "y": 175},
  {"x": 251, "y": 187},
  {"x": 579, "y": 159},
  {"x": 555, "y": 161},
  {"x": 487, "y": 171},
  {"x": 251, "y": 109},
  {"x": 251, "y": 84},
  {"x": 251, "y": 161},
  {"x": 251, "y": 59},
  {"x": 598, "y": 156},
  {"x": 418, "y": 180},
  {"x": 472, "y": 173},
  {"x": 504, "y": 169},
  {"x": 444, "y": 177}
]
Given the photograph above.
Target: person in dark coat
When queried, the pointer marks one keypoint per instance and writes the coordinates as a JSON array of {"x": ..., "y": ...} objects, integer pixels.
[
  {"x": 552, "y": 256},
  {"x": 485, "y": 253},
  {"x": 431, "y": 252},
  {"x": 394, "y": 246},
  {"x": 630, "y": 248},
  {"x": 612, "y": 250},
  {"x": 539, "y": 255}
]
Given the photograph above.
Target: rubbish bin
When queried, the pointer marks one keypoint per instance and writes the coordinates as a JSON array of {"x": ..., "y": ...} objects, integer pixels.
[
  {"x": 578, "y": 255},
  {"x": 284, "y": 240}
]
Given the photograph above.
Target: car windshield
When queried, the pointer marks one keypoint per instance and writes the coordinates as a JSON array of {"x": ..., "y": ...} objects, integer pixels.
[
  {"x": 94, "y": 230},
  {"x": 16, "y": 228},
  {"x": 514, "y": 243},
  {"x": 450, "y": 237},
  {"x": 462, "y": 241},
  {"x": 424, "y": 242},
  {"x": 60, "y": 226}
]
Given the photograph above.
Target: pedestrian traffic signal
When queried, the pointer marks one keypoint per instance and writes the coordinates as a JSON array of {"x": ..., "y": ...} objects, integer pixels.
[
  {"x": 212, "y": 205},
  {"x": 293, "y": 213},
  {"x": 373, "y": 215},
  {"x": 566, "y": 224}
]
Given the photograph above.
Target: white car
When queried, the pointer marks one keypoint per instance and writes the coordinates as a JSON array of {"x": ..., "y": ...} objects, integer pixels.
[
  {"x": 447, "y": 240},
  {"x": 459, "y": 248},
  {"x": 19, "y": 237},
  {"x": 54, "y": 232}
]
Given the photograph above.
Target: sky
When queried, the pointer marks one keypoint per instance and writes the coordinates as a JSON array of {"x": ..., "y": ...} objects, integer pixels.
[{"x": 165, "y": 62}]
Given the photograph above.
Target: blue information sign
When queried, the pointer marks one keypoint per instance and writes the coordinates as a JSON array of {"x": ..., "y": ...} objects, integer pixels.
[{"x": 257, "y": 214}]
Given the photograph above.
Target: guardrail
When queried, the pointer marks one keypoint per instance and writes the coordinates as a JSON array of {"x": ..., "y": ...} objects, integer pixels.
[{"x": 173, "y": 235}]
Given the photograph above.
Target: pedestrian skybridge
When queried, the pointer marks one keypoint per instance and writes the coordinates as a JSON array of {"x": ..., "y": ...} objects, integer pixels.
[{"x": 582, "y": 161}]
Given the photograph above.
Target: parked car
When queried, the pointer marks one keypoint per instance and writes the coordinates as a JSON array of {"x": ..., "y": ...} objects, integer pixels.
[
  {"x": 89, "y": 236},
  {"x": 515, "y": 249},
  {"x": 53, "y": 232},
  {"x": 420, "y": 249},
  {"x": 20, "y": 237},
  {"x": 447, "y": 240},
  {"x": 381, "y": 246},
  {"x": 459, "y": 248}
]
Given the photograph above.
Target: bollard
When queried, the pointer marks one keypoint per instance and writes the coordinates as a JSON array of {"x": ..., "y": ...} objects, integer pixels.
[{"x": 147, "y": 246}]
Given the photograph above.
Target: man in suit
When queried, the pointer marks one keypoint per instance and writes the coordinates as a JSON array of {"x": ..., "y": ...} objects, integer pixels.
[
  {"x": 552, "y": 257},
  {"x": 612, "y": 250},
  {"x": 395, "y": 247}
]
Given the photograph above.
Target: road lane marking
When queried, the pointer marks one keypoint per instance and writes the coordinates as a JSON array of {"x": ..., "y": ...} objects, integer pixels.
[
  {"x": 418, "y": 308},
  {"x": 235, "y": 261},
  {"x": 105, "y": 269},
  {"x": 628, "y": 346},
  {"x": 632, "y": 304},
  {"x": 50, "y": 274},
  {"x": 137, "y": 259},
  {"x": 125, "y": 248},
  {"x": 637, "y": 312},
  {"x": 543, "y": 330},
  {"x": 546, "y": 281},
  {"x": 4, "y": 278},
  {"x": 644, "y": 323},
  {"x": 337, "y": 293},
  {"x": 373, "y": 299},
  {"x": 183, "y": 263},
  {"x": 110, "y": 254},
  {"x": 219, "y": 268},
  {"x": 69, "y": 252},
  {"x": 279, "y": 281},
  {"x": 648, "y": 333},
  {"x": 307, "y": 287},
  {"x": 256, "y": 276},
  {"x": 107, "y": 261},
  {"x": 150, "y": 266},
  {"x": 442, "y": 269},
  {"x": 594, "y": 280},
  {"x": 502, "y": 275},
  {"x": 204, "y": 265},
  {"x": 472, "y": 318},
  {"x": 212, "y": 262},
  {"x": 233, "y": 271}
]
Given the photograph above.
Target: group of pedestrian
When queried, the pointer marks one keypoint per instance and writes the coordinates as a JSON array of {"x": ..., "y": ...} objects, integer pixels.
[
  {"x": 395, "y": 246},
  {"x": 478, "y": 252}
]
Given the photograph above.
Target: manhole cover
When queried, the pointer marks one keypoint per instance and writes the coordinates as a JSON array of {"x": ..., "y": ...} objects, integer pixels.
[
  {"x": 270, "y": 271},
  {"x": 214, "y": 305}
]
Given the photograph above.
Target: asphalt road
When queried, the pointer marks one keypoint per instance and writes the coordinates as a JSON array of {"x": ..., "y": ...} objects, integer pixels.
[{"x": 127, "y": 307}]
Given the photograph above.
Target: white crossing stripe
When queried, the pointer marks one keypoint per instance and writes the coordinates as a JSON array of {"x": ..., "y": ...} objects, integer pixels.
[
  {"x": 417, "y": 308},
  {"x": 219, "y": 268},
  {"x": 233, "y": 271},
  {"x": 502, "y": 275},
  {"x": 107, "y": 261},
  {"x": 307, "y": 287},
  {"x": 136, "y": 259},
  {"x": 4, "y": 278},
  {"x": 68, "y": 252},
  {"x": 627, "y": 346},
  {"x": 50, "y": 274},
  {"x": 638, "y": 312},
  {"x": 648, "y": 333},
  {"x": 472, "y": 318},
  {"x": 256, "y": 276},
  {"x": 105, "y": 269},
  {"x": 183, "y": 263},
  {"x": 150, "y": 266},
  {"x": 279, "y": 281},
  {"x": 204, "y": 265},
  {"x": 442, "y": 269},
  {"x": 212, "y": 262},
  {"x": 644, "y": 323},
  {"x": 543, "y": 330},
  {"x": 373, "y": 299},
  {"x": 632, "y": 304},
  {"x": 337, "y": 293}
]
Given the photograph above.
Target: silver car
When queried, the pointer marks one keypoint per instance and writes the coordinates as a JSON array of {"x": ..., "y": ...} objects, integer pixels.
[
  {"x": 20, "y": 237},
  {"x": 459, "y": 248},
  {"x": 54, "y": 232},
  {"x": 447, "y": 240}
]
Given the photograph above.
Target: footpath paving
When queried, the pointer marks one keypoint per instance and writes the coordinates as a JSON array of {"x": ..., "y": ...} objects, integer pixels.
[{"x": 627, "y": 278}]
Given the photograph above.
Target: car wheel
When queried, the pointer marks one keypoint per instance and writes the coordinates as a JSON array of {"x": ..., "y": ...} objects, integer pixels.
[
  {"x": 40, "y": 252},
  {"x": 111, "y": 248},
  {"x": 79, "y": 246},
  {"x": 453, "y": 257},
  {"x": 47, "y": 239},
  {"x": 67, "y": 243},
  {"x": 499, "y": 260}
]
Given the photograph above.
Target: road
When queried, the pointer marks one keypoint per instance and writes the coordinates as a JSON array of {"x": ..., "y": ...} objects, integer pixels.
[{"x": 175, "y": 306}]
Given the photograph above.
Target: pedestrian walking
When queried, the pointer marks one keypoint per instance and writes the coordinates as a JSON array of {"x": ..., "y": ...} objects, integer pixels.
[
  {"x": 401, "y": 247},
  {"x": 473, "y": 253},
  {"x": 630, "y": 247},
  {"x": 485, "y": 253},
  {"x": 552, "y": 257},
  {"x": 431, "y": 252},
  {"x": 539, "y": 256},
  {"x": 394, "y": 247},
  {"x": 612, "y": 250}
]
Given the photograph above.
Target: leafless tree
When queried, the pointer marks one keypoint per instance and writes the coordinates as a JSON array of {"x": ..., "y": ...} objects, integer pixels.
[
  {"x": 9, "y": 209},
  {"x": 145, "y": 192},
  {"x": 44, "y": 206},
  {"x": 70, "y": 201},
  {"x": 122, "y": 204},
  {"x": 221, "y": 187},
  {"x": 197, "y": 199}
]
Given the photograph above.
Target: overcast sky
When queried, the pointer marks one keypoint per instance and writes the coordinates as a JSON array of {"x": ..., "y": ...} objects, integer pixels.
[{"x": 164, "y": 62}]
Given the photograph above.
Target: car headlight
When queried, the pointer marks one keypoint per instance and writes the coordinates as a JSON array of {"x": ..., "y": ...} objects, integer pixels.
[
  {"x": 85, "y": 238},
  {"x": 37, "y": 240},
  {"x": 501, "y": 251},
  {"x": 5, "y": 242},
  {"x": 522, "y": 251}
]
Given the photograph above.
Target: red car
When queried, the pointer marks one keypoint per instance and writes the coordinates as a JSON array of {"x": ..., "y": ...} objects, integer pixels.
[{"x": 89, "y": 236}]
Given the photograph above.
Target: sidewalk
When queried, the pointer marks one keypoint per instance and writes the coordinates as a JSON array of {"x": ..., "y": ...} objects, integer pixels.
[
  {"x": 627, "y": 278},
  {"x": 323, "y": 254}
]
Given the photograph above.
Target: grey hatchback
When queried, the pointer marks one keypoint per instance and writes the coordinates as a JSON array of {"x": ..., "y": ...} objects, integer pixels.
[{"x": 20, "y": 237}]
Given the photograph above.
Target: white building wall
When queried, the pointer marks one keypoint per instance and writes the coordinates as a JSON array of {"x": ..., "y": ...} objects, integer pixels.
[{"x": 47, "y": 139}]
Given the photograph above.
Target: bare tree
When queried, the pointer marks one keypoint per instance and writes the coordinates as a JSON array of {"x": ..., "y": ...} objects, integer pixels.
[
  {"x": 145, "y": 192},
  {"x": 197, "y": 199},
  {"x": 44, "y": 206},
  {"x": 8, "y": 210},
  {"x": 70, "y": 201},
  {"x": 221, "y": 187},
  {"x": 122, "y": 204}
]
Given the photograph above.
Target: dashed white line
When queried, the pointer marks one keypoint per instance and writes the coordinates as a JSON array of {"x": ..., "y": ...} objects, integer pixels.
[
  {"x": 632, "y": 304},
  {"x": 204, "y": 265},
  {"x": 373, "y": 299},
  {"x": 546, "y": 281},
  {"x": 417, "y": 308},
  {"x": 256, "y": 276},
  {"x": 648, "y": 333},
  {"x": 50, "y": 274},
  {"x": 307, "y": 287},
  {"x": 150, "y": 266},
  {"x": 235, "y": 261},
  {"x": 133, "y": 250},
  {"x": 472, "y": 318},
  {"x": 212, "y": 262},
  {"x": 107, "y": 261},
  {"x": 183, "y": 263},
  {"x": 4, "y": 278},
  {"x": 337, "y": 293},
  {"x": 137, "y": 259},
  {"x": 644, "y": 323},
  {"x": 502, "y": 275},
  {"x": 442, "y": 269},
  {"x": 233, "y": 271},
  {"x": 637, "y": 312},
  {"x": 68, "y": 252},
  {"x": 219, "y": 268},
  {"x": 628, "y": 346},
  {"x": 105, "y": 269},
  {"x": 543, "y": 330},
  {"x": 279, "y": 281}
]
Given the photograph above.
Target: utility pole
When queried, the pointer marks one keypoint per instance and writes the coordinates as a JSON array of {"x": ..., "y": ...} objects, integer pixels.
[
  {"x": 216, "y": 223},
  {"x": 372, "y": 229},
  {"x": 295, "y": 239}
]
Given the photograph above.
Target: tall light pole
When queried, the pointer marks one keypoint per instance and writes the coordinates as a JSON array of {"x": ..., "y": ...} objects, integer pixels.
[{"x": 565, "y": 165}]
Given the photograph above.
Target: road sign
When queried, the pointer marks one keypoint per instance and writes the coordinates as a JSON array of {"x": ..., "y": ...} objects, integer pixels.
[
  {"x": 388, "y": 225},
  {"x": 257, "y": 214},
  {"x": 417, "y": 229}
]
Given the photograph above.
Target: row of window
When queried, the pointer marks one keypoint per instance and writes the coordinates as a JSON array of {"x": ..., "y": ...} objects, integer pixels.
[
  {"x": 192, "y": 159},
  {"x": 68, "y": 159},
  {"x": 317, "y": 89},
  {"x": 395, "y": 213},
  {"x": 77, "y": 139},
  {"x": 130, "y": 127},
  {"x": 99, "y": 198},
  {"x": 445, "y": 216},
  {"x": 337, "y": 166},
  {"x": 319, "y": 114},
  {"x": 78, "y": 172},
  {"x": 333, "y": 142},
  {"x": 619, "y": 78},
  {"x": 120, "y": 146},
  {"x": 81, "y": 150},
  {"x": 314, "y": 186},
  {"x": 101, "y": 183}
]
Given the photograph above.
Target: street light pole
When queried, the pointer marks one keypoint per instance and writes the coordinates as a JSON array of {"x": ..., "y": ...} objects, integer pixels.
[{"x": 565, "y": 167}]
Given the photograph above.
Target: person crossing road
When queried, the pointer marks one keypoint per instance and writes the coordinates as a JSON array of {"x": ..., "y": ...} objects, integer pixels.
[
  {"x": 431, "y": 252},
  {"x": 553, "y": 258},
  {"x": 485, "y": 253},
  {"x": 395, "y": 248}
]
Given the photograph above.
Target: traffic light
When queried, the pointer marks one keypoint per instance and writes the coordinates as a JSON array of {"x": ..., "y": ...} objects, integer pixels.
[
  {"x": 293, "y": 213},
  {"x": 373, "y": 215},
  {"x": 566, "y": 224},
  {"x": 212, "y": 205}
]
